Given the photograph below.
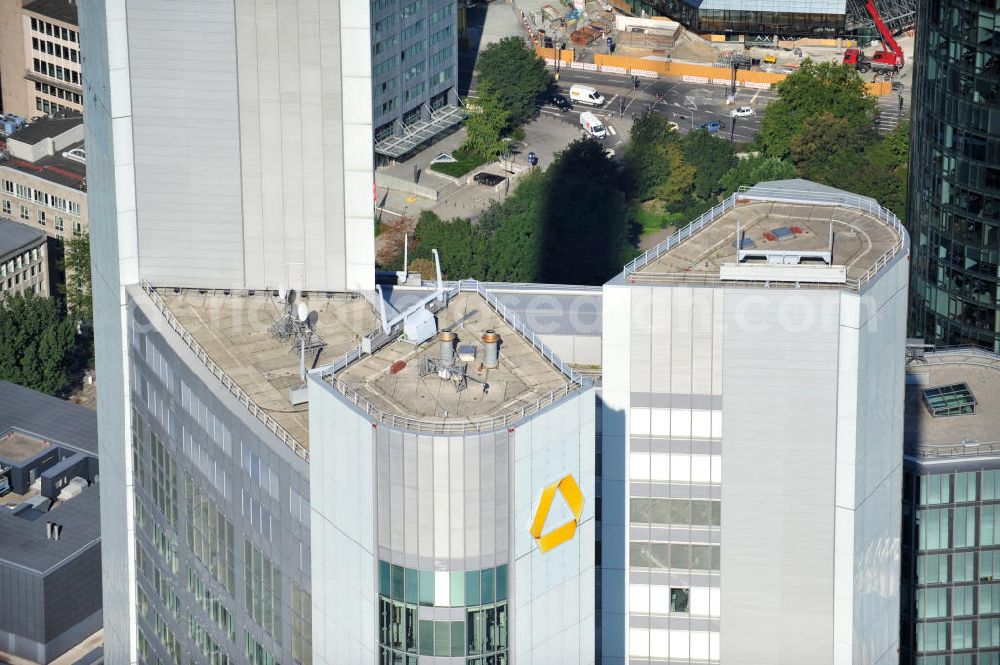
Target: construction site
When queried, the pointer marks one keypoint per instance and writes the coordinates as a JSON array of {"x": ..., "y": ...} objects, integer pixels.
[{"x": 757, "y": 51}]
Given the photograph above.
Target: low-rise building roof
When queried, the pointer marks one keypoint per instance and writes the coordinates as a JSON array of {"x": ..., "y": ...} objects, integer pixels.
[
  {"x": 16, "y": 238},
  {"x": 59, "y": 10}
]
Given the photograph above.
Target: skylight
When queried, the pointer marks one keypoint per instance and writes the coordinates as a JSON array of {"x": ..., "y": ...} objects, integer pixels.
[{"x": 951, "y": 400}]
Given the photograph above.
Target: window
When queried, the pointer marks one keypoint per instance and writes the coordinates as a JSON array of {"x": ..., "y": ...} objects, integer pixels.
[
  {"x": 932, "y": 603},
  {"x": 989, "y": 525},
  {"x": 961, "y": 602},
  {"x": 932, "y": 526},
  {"x": 963, "y": 567},
  {"x": 951, "y": 400},
  {"x": 988, "y": 633},
  {"x": 991, "y": 485},
  {"x": 58, "y": 224},
  {"x": 25, "y": 213},
  {"x": 41, "y": 217},
  {"x": 934, "y": 490},
  {"x": 961, "y": 635},
  {"x": 6, "y": 207},
  {"x": 263, "y": 590},
  {"x": 679, "y": 600},
  {"x": 932, "y": 636},
  {"x": 210, "y": 534},
  {"x": 24, "y": 192},
  {"x": 965, "y": 527},
  {"x": 965, "y": 486},
  {"x": 989, "y": 598},
  {"x": 8, "y": 186}
]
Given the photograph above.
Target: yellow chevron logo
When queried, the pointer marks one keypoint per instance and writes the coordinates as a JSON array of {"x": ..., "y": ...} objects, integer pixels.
[{"x": 574, "y": 499}]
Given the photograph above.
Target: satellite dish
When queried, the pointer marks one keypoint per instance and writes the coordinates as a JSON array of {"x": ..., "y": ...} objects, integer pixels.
[{"x": 303, "y": 312}]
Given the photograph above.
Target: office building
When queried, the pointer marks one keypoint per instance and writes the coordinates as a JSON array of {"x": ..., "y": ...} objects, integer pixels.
[
  {"x": 43, "y": 177},
  {"x": 24, "y": 260},
  {"x": 50, "y": 545},
  {"x": 414, "y": 46},
  {"x": 752, "y": 415},
  {"x": 40, "y": 61},
  {"x": 951, "y": 509},
  {"x": 953, "y": 211},
  {"x": 756, "y": 19}
]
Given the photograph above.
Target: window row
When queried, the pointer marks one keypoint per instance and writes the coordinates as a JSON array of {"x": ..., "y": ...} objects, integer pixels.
[
  {"x": 944, "y": 528},
  {"x": 56, "y": 91},
  {"x": 963, "y": 635},
  {"x": 675, "y": 556},
  {"x": 41, "y": 197},
  {"x": 58, "y": 50},
  {"x": 442, "y": 588},
  {"x": 483, "y": 632},
  {"x": 933, "y": 602},
  {"x": 56, "y": 71},
  {"x": 959, "y": 487},
  {"x": 933, "y": 568},
  {"x": 675, "y": 511},
  {"x": 38, "y": 25}
]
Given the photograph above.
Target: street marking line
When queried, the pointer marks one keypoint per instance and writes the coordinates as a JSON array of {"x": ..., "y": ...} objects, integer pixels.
[
  {"x": 612, "y": 130},
  {"x": 754, "y": 98}
]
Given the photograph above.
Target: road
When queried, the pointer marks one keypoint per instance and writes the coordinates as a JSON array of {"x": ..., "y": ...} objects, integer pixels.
[{"x": 687, "y": 104}]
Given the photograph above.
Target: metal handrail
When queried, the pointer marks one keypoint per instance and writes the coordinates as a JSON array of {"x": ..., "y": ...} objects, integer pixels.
[
  {"x": 954, "y": 450},
  {"x": 230, "y": 384},
  {"x": 759, "y": 193},
  {"x": 576, "y": 380}
]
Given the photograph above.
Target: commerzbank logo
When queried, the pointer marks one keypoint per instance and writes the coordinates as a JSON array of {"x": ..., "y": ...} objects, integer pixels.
[{"x": 573, "y": 497}]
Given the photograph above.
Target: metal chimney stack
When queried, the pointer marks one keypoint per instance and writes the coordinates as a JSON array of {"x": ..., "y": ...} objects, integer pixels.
[
  {"x": 491, "y": 349},
  {"x": 48, "y": 530},
  {"x": 446, "y": 347}
]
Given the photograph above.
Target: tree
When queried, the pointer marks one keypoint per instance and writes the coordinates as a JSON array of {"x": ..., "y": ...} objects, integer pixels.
[
  {"x": 77, "y": 289},
  {"x": 587, "y": 229},
  {"x": 459, "y": 242},
  {"x": 674, "y": 190},
  {"x": 37, "y": 343},
  {"x": 748, "y": 172},
  {"x": 711, "y": 157},
  {"x": 485, "y": 125},
  {"x": 645, "y": 159},
  {"x": 516, "y": 75},
  {"x": 813, "y": 89},
  {"x": 812, "y": 149}
]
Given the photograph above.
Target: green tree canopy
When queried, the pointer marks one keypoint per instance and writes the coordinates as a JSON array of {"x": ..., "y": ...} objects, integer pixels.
[
  {"x": 37, "y": 343},
  {"x": 587, "y": 227},
  {"x": 748, "y": 172},
  {"x": 646, "y": 159},
  {"x": 569, "y": 224},
  {"x": 485, "y": 126},
  {"x": 813, "y": 89},
  {"x": 513, "y": 72},
  {"x": 77, "y": 291},
  {"x": 711, "y": 157},
  {"x": 813, "y": 148}
]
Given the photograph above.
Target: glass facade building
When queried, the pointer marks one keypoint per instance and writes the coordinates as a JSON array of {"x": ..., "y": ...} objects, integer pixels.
[
  {"x": 785, "y": 18},
  {"x": 950, "y": 568},
  {"x": 954, "y": 205}
]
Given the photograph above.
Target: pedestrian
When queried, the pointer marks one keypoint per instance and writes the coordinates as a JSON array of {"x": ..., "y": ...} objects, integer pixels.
[{"x": 486, "y": 389}]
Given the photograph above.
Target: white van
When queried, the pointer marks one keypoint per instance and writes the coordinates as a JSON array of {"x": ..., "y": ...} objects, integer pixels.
[
  {"x": 592, "y": 125},
  {"x": 585, "y": 95}
]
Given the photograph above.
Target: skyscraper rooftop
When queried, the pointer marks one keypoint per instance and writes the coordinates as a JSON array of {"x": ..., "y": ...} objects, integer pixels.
[{"x": 792, "y": 232}]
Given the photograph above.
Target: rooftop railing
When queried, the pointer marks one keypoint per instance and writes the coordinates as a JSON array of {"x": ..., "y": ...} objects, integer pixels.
[
  {"x": 259, "y": 413},
  {"x": 777, "y": 195},
  {"x": 489, "y": 423}
]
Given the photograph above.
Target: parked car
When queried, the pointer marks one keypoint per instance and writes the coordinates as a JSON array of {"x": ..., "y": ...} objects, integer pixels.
[
  {"x": 770, "y": 58},
  {"x": 741, "y": 112},
  {"x": 560, "y": 102},
  {"x": 713, "y": 126}
]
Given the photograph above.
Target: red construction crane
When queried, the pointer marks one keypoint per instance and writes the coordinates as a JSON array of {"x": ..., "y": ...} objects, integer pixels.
[{"x": 889, "y": 59}]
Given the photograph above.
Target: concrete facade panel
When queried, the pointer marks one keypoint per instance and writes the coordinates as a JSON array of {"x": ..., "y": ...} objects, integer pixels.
[{"x": 778, "y": 476}]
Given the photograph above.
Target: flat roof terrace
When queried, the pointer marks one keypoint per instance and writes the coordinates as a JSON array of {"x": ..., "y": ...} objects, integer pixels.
[
  {"x": 523, "y": 380},
  {"x": 235, "y": 332},
  {"x": 786, "y": 237},
  {"x": 976, "y": 431}
]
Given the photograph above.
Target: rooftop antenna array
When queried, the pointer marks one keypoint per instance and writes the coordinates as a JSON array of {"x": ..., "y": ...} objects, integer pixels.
[{"x": 291, "y": 325}]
